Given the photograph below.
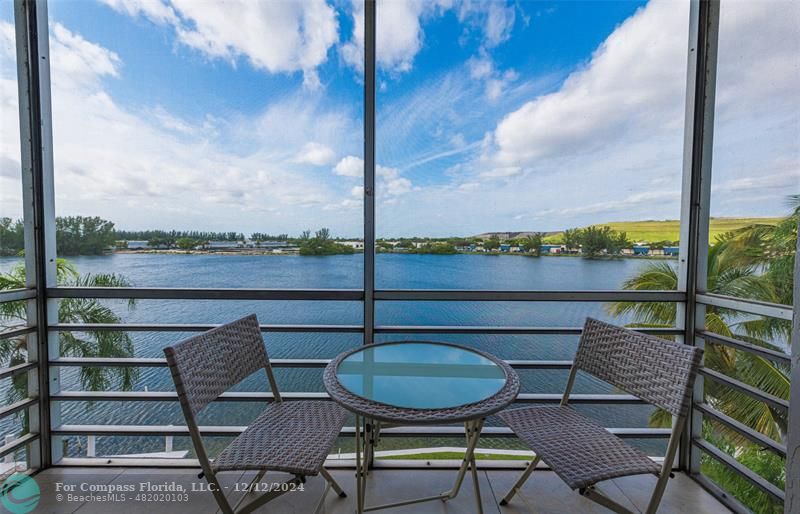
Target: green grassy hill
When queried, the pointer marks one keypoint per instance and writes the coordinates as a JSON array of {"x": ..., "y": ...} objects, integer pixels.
[{"x": 668, "y": 230}]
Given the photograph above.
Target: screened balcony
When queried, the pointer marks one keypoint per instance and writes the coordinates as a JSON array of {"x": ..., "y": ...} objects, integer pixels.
[{"x": 113, "y": 418}]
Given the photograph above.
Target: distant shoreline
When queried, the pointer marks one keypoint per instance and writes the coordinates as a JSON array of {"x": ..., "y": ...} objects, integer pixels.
[{"x": 268, "y": 253}]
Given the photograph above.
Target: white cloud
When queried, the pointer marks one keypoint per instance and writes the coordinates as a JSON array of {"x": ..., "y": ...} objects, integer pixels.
[
  {"x": 171, "y": 122},
  {"x": 350, "y": 166},
  {"x": 392, "y": 184},
  {"x": 400, "y": 36},
  {"x": 633, "y": 83},
  {"x": 155, "y": 10},
  {"x": 483, "y": 68},
  {"x": 504, "y": 172},
  {"x": 390, "y": 181},
  {"x": 494, "y": 18},
  {"x": 316, "y": 154},
  {"x": 279, "y": 37},
  {"x": 147, "y": 167},
  {"x": 480, "y": 67},
  {"x": 81, "y": 62}
]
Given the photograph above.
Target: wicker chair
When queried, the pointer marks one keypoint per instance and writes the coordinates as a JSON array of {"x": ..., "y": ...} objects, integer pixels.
[
  {"x": 582, "y": 452},
  {"x": 293, "y": 437}
]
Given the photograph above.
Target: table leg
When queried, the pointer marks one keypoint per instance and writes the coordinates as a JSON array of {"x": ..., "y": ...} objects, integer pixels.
[
  {"x": 369, "y": 444},
  {"x": 472, "y": 430},
  {"x": 475, "y": 482},
  {"x": 359, "y": 470}
]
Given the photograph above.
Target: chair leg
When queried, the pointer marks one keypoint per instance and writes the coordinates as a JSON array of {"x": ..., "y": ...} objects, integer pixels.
[
  {"x": 596, "y": 496},
  {"x": 269, "y": 496},
  {"x": 658, "y": 493},
  {"x": 219, "y": 496},
  {"x": 256, "y": 480},
  {"x": 322, "y": 497},
  {"x": 251, "y": 489},
  {"x": 336, "y": 487},
  {"x": 518, "y": 485}
]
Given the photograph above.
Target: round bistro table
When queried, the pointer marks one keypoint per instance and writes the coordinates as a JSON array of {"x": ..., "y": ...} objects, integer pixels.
[{"x": 418, "y": 383}]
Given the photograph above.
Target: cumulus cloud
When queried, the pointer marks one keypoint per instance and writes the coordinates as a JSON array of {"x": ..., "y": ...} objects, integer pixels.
[
  {"x": 279, "y": 37},
  {"x": 350, "y": 166},
  {"x": 316, "y": 154},
  {"x": 155, "y": 10},
  {"x": 607, "y": 144},
  {"x": 400, "y": 35},
  {"x": 390, "y": 181},
  {"x": 633, "y": 82},
  {"x": 81, "y": 62},
  {"x": 147, "y": 165}
]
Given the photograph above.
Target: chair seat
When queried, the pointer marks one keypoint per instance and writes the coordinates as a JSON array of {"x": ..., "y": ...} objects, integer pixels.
[
  {"x": 578, "y": 450},
  {"x": 293, "y": 437}
]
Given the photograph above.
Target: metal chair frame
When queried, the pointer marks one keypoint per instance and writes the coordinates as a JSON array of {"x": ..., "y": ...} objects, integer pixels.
[
  {"x": 592, "y": 492},
  {"x": 202, "y": 456}
]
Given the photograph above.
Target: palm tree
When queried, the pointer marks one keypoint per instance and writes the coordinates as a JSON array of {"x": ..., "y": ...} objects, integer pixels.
[
  {"x": 748, "y": 263},
  {"x": 72, "y": 344},
  {"x": 533, "y": 243}
]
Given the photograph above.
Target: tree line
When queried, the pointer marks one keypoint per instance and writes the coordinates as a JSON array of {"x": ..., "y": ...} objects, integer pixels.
[
  {"x": 92, "y": 235},
  {"x": 321, "y": 243},
  {"x": 75, "y": 235},
  {"x": 174, "y": 235}
]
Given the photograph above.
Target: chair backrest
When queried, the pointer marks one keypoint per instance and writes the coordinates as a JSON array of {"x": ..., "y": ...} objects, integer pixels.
[
  {"x": 206, "y": 365},
  {"x": 658, "y": 371}
]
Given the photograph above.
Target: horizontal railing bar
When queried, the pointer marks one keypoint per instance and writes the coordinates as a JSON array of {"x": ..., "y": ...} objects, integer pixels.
[
  {"x": 191, "y": 327},
  {"x": 158, "y": 363},
  {"x": 277, "y": 363},
  {"x": 740, "y": 469},
  {"x": 17, "y": 443},
  {"x": 724, "y": 497},
  {"x": 452, "y": 329},
  {"x": 430, "y": 431},
  {"x": 773, "y": 355},
  {"x": 15, "y": 332},
  {"x": 13, "y": 371},
  {"x": 397, "y": 329},
  {"x": 162, "y": 396},
  {"x": 538, "y": 296},
  {"x": 15, "y": 295},
  {"x": 747, "y": 389},
  {"x": 176, "y": 293},
  {"x": 539, "y": 364},
  {"x": 493, "y": 431},
  {"x": 742, "y": 429},
  {"x": 10, "y": 409},
  {"x": 166, "y": 293},
  {"x": 772, "y": 310},
  {"x": 166, "y": 396}
]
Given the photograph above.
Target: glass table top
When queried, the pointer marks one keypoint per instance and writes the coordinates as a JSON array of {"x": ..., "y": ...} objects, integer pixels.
[{"x": 420, "y": 375}]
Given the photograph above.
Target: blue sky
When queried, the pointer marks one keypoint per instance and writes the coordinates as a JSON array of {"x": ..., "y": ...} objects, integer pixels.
[{"x": 491, "y": 115}]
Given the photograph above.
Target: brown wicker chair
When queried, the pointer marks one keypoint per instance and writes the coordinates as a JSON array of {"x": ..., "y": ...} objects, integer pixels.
[
  {"x": 582, "y": 452},
  {"x": 293, "y": 437}
]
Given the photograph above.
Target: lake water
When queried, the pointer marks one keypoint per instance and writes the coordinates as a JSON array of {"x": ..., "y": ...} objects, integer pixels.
[{"x": 403, "y": 271}]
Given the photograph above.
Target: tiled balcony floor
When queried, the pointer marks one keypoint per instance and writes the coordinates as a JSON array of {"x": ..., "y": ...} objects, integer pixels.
[{"x": 543, "y": 494}]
